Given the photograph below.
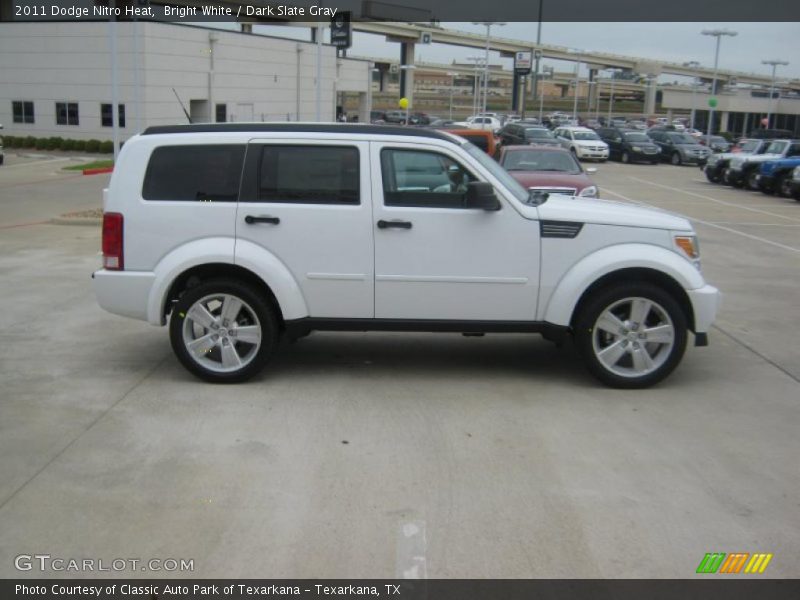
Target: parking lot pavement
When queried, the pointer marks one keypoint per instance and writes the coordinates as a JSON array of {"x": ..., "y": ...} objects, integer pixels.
[
  {"x": 34, "y": 188},
  {"x": 366, "y": 455}
]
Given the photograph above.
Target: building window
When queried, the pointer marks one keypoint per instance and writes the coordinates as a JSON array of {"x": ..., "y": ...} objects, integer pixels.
[
  {"x": 23, "y": 111},
  {"x": 66, "y": 113},
  {"x": 222, "y": 113},
  {"x": 108, "y": 119}
]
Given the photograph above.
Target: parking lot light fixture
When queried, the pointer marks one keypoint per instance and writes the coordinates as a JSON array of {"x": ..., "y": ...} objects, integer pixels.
[
  {"x": 717, "y": 33},
  {"x": 774, "y": 63}
]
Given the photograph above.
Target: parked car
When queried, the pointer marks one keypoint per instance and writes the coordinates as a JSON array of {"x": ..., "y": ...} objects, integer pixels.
[
  {"x": 395, "y": 116},
  {"x": 544, "y": 169},
  {"x": 775, "y": 176},
  {"x": 582, "y": 142},
  {"x": 743, "y": 169},
  {"x": 481, "y": 122},
  {"x": 628, "y": 145},
  {"x": 223, "y": 232},
  {"x": 679, "y": 148},
  {"x": 2, "y": 155},
  {"x": 718, "y": 143},
  {"x": 717, "y": 165},
  {"x": 482, "y": 138},
  {"x": 638, "y": 124},
  {"x": 795, "y": 184},
  {"x": 377, "y": 116},
  {"x": 516, "y": 133}
]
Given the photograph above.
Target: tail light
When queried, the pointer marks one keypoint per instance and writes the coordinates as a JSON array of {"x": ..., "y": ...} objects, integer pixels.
[{"x": 113, "y": 225}]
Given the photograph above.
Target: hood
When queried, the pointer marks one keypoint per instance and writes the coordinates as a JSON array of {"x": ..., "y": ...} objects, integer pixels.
[
  {"x": 608, "y": 212},
  {"x": 756, "y": 158},
  {"x": 529, "y": 179},
  {"x": 590, "y": 142}
]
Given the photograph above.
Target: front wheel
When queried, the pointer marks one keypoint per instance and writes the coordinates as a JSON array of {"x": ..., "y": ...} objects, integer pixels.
[
  {"x": 223, "y": 331},
  {"x": 626, "y": 158},
  {"x": 784, "y": 185},
  {"x": 676, "y": 159},
  {"x": 752, "y": 180},
  {"x": 631, "y": 335}
]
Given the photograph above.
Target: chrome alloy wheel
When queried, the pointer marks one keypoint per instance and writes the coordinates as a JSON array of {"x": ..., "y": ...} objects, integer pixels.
[
  {"x": 221, "y": 333},
  {"x": 633, "y": 337}
]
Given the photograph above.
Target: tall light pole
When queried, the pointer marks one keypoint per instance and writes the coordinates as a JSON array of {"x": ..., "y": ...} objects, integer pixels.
[
  {"x": 717, "y": 33},
  {"x": 452, "y": 85},
  {"x": 577, "y": 87},
  {"x": 693, "y": 64},
  {"x": 774, "y": 63},
  {"x": 611, "y": 97},
  {"x": 408, "y": 106},
  {"x": 478, "y": 60},
  {"x": 488, "y": 25},
  {"x": 537, "y": 54}
]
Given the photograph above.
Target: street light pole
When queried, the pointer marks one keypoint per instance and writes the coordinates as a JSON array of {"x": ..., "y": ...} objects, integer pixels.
[
  {"x": 774, "y": 64},
  {"x": 488, "y": 25},
  {"x": 717, "y": 33},
  {"x": 575, "y": 104},
  {"x": 452, "y": 85},
  {"x": 693, "y": 64},
  {"x": 538, "y": 54},
  {"x": 611, "y": 97}
]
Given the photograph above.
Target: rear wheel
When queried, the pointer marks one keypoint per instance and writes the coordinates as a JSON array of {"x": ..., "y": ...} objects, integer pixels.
[
  {"x": 223, "y": 331},
  {"x": 626, "y": 158},
  {"x": 631, "y": 335},
  {"x": 676, "y": 158}
]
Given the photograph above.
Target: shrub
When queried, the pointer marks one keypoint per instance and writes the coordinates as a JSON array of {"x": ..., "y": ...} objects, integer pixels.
[
  {"x": 68, "y": 145},
  {"x": 107, "y": 147},
  {"x": 7, "y": 141},
  {"x": 30, "y": 142},
  {"x": 54, "y": 143},
  {"x": 93, "y": 146},
  {"x": 80, "y": 145},
  {"x": 41, "y": 144}
]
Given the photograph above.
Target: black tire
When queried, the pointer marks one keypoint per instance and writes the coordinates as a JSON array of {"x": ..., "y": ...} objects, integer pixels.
[
  {"x": 676, "y": 159},
  {"x": 626, "y": 158},
  {"x": 783, "y": 185},
  {"x": 751, "y": 181},
  {"x": 605, "y": 298},
  {"x": 713, "y": 178},
  {"x": 254, "y": 301}
]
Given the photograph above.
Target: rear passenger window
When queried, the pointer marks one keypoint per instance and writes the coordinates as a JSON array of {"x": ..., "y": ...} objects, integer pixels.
[
  {"x": 194, "y": 173},
  {"x": 309, "y": 175}
]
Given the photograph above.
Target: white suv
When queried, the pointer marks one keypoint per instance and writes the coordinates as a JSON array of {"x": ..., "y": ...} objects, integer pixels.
[
  {"x": 583, "y": 142},
  {"x": 239, "y": 235}
]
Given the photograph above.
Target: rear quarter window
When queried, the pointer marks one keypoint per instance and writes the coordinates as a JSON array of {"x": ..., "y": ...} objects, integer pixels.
[{"x": 194, "y": 173}]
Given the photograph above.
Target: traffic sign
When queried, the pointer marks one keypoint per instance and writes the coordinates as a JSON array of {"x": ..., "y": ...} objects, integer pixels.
[
  {"x": 522, "y": 63},
  {"x": 341, "y": 32}
]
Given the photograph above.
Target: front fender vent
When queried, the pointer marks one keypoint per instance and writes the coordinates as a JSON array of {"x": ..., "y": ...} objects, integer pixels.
[{"x": 560, "y": 229}]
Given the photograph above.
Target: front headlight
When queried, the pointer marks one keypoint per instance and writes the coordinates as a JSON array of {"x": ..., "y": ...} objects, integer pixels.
[
  {"x": 712, "y": 160},
  {"x": 636, "y": 148},
  {"x": 589, "y": 192},
  {"x": 796, "y": 173}
]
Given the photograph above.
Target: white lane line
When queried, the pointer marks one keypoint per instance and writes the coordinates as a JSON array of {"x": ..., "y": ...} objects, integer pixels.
[
  {"x": 411, "y": 547},
  {"x": 717, "y": 200},
  {"x": 35, "y": 163},
  {"x": 710, "y": 224}
]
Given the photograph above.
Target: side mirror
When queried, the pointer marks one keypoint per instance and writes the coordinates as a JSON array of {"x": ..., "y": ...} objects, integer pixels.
[
  {"x": 591, "y": 170},
  {"x": 480, "y": 194}
]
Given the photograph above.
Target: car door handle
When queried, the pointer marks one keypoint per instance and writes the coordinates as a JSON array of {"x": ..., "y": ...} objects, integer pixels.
[
  {"x": 250, "y": 219},
  {"x": 394, "y": 224}
]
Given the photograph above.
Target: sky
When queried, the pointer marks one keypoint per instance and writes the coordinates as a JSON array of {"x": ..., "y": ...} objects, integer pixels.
[{"x": 674, "y": 42}]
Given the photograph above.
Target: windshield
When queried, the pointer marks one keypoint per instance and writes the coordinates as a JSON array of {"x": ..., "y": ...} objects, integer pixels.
[
  {"x": 749, "y": 146},
  {"x": 776, "y": 147},
  {"x": 585, "y": 135},
  {"x": 718, "y": 140},
  {"x": 511, "y": 184},
  {"x": 681, "y": 138},
  {"x": 538, "y": 133},
  {"x": 637, "y": 137},
  {"x": 540, "y": 160}
]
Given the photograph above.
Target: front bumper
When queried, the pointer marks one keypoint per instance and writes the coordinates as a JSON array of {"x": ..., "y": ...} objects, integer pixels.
[
  {"x": 586, "y": 153},
  {"x": 734, "y": 176},
  {"x": 766, "y": 183},
  {"x": 705, "y": 305}
]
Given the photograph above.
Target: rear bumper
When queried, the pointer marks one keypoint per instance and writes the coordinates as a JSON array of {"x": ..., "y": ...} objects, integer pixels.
[
  {"x": 705, "y": 305},
  {"x": 125, "y": 293}
]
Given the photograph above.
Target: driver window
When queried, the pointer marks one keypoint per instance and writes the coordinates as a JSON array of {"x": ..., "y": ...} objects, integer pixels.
[{"x": 423, "y": 179}]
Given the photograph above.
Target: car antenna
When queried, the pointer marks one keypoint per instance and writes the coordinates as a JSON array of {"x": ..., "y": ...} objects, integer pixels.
[{"x": 183, "y": 108}]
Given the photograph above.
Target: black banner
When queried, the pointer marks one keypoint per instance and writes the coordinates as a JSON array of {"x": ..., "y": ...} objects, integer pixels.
[
  {"x": 418, "y": 11},
  {"x": 734, "y": 588}
]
